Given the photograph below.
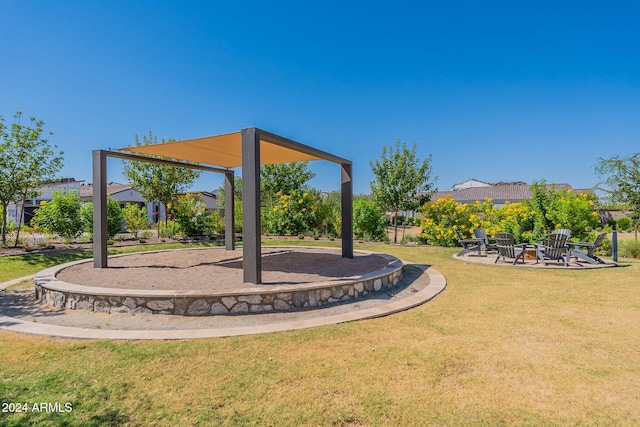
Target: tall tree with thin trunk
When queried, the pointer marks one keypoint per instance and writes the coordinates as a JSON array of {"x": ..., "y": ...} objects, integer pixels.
[
  {"x": 402, "y": 181},
  {"x": 26, "y": 160},
  {"x": 621, "y": 183},
  {"x": 156, "y": 181}
]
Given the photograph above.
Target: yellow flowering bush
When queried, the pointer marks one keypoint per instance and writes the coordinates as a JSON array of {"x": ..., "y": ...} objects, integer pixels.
[
  {"x": 573, "y": 211},
  {"x": 191, "y": 216},
  {"x": 527, "y": 221},
  {"x": 441, "y": 218},
  {"x": 292, "y": 214}
]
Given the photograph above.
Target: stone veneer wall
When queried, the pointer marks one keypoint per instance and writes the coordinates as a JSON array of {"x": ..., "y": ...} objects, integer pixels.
[{"x": 224, "y": 304}]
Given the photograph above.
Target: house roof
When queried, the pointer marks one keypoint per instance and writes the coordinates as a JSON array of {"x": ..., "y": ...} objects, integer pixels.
[
  {"x": 499, "y": 193},
  {"x": 86, "y": 190}
]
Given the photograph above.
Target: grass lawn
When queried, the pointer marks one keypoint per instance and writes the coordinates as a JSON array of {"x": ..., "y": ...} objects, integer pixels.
[{"x": 500, "y": 346}]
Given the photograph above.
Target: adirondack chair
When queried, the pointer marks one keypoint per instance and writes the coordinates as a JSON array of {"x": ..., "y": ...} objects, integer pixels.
[
  {"x": 469, "y": 244},
  {"x": 588, "y": 253},
  {"x": 507, "y": 248},
  {"x": 554, "y": 248},
  {"x": 481, "y": 234},
  {"x": 565, "y": 231}
]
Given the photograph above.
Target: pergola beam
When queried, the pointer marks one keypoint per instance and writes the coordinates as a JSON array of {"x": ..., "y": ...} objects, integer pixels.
[{"x": 100, "y": 232}]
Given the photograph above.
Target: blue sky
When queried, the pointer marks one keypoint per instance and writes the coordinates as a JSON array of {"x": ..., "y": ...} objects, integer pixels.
[{"x": 497, "y": 91}]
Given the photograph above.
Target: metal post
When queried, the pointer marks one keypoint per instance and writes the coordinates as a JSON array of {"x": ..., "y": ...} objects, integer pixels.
[
  {"x": 100, "y": 233},
  {"x": 229, "y": 209},
  {"x": 346, "y": 190},
  {"x": 251, "y": 245},
  {"x": 614, "y": 245}
]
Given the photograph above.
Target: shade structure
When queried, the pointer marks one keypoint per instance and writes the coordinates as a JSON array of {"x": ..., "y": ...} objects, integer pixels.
[
  {"x": 248, "y": 149},
  {"x": 226, "y": 150}
]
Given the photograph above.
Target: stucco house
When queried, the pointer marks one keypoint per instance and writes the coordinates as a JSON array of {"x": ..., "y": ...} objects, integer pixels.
[{"x": 46, "y": 189}]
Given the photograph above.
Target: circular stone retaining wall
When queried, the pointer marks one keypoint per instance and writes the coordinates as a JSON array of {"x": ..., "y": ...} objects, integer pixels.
[{"x": 198, "y": 303}]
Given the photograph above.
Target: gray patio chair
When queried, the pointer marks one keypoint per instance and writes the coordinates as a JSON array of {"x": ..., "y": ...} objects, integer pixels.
[
  {"x": 508, "y": 249},
  {"x": 565, "y": 231},
  {"x": 486, "y": 244},
  {"x": 469, "y": 244},
  {"x": 553, "y": 248},
  {"x": 588, "y": 253}
]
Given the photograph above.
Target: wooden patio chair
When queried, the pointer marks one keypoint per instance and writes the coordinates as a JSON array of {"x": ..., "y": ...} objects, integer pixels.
[
  {"x": 565, "y": 231},
  {"x": 553, "y": 248},
  {"x": 480, "y": 233},
  {"x": 508, "y": 249},
  {"x": 587, "y": 250},
  {"x": 469, "y": 244}
]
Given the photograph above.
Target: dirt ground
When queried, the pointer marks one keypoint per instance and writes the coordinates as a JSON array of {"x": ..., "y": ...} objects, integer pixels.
[{"x": 218, "y": 269}]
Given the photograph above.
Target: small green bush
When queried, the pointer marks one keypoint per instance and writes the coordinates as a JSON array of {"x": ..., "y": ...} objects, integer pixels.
[
  {"x": 624, "y": 224},
  {"x": 630, "y": 248}
]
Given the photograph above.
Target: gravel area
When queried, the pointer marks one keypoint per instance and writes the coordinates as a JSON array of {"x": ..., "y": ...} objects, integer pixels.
[{"x": 218, "y": 269}]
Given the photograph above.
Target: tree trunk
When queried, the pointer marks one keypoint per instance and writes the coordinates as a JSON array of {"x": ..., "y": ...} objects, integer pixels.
[
  {"x": 15, "y": 245},
  {"x": 404, "y": 227},
  {"x": 395, "y": 227},
  {"x": 4, "y": 223}
]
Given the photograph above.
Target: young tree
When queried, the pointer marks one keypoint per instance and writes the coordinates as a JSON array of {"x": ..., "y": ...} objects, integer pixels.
[
  {"x": 135, "y": 218},
  {"x": 621, "y": 183},
  {"x": 401, "y": 181},
  {"x": 26, "y": 160},
  {"x": 285, "y": 178},
  {"x": 155, "y": 181}
]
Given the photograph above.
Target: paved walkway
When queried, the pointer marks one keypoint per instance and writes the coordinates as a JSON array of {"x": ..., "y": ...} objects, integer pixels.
[{"x": 426, "y": 284}]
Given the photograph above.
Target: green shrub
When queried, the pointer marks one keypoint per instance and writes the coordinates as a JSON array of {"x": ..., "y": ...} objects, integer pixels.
[
  {"x": 168, "y": 228},
  {"x": 191, "y": 215},
  {"x": 291, "y": 214},
  {"x": 135, "y": 218},
  {"x": 61, "y": 215},
  {"x": 624, "y": 224},
  {"x": 368, "y": 220},
  {"x": 114, "y": 217},
  {"x": 630, "y": 248}
]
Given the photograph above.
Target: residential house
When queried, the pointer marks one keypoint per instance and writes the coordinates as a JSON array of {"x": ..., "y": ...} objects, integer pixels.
[
  {"x": 46, "y": 189},
  {"x": 126, "y": 194},
  {"x": 499, "y": 193}
]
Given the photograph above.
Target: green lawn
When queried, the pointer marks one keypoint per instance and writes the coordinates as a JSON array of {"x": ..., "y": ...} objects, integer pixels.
[{"x": 500, "y": 346}]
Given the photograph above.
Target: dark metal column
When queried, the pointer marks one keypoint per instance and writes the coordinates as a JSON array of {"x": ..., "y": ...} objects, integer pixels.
[
  {"x": 346, "y": 190},
  {"x": 251, "y": 245},
  {"x": 99, "y": 209},
  {"x": 229, "y": 211}
]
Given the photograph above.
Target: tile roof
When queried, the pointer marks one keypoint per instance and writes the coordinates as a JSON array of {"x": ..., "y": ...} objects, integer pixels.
[
  {"x": 499, "y": 193},
  {"x": 86, "y": 190}
]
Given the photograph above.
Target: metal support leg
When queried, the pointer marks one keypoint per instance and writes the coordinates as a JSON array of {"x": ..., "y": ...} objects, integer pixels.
[
  {"x": 100, "y": 233},
  {"x": 347, "y": 210},
  {"x": 229, "y": 209},
  {"x": 251, "y": 245}
]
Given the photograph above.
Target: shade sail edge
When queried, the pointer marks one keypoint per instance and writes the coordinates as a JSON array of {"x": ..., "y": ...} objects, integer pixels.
[{"x": 221, "y": 150}]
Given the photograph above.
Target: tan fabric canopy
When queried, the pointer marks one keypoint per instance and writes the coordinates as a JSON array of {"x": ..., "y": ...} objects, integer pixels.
[{"x": 221, "y": 150}]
